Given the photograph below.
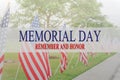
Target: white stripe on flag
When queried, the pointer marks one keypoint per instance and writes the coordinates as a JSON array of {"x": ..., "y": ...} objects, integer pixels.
[
  {"x": 26, "y": 66},
  {"x": 31, "y": 61},
  {"x": 1, "y": 65},
  {"x": 39, "y": 62}
]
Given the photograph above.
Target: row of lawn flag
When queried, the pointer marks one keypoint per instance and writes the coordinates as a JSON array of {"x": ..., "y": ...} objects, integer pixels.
[{"x": 35, "y": 64}]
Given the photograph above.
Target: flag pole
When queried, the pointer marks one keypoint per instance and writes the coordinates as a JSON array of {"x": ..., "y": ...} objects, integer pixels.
[
  {"x": 71, "y": 59},
  {"x": 56, "y": 70},
  {"x": 77, "y": 61},
  {"x": 73, "y": 54},
  {"x": 17, "y": 72}
]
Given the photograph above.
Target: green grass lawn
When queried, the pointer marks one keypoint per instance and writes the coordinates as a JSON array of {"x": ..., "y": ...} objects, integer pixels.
[{"x": 74, "y": 67}]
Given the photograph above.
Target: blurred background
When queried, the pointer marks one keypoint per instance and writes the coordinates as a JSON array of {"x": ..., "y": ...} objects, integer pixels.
[{"x": 54, "y": 13}]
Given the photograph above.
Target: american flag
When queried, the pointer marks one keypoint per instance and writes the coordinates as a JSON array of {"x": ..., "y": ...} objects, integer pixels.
[
  {"x": 3, "y": 31},
  {"x": 63, "y": 60},
  {"x": 34, "y": 63},
  {"x": 35, "y": 22},
  {"x": 83, "y": 57}
]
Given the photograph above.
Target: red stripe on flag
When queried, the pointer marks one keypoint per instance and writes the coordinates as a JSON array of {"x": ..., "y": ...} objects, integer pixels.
[
  {"x": 48, "y": 65},
  {"x": 1, "y": 70},
  {"x": 36, "y": 63},
  {"x": 30, "y": 66},
  {"x": 63, "y": 61},
  {"x": 1, "y": 58},
  {"x": 26, "y": 73},
  {"x": 37, "y": 66},
  {"x": 83, "y": 58}
]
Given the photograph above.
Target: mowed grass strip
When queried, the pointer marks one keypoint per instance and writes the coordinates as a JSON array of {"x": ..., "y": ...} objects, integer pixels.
[{"x": 74, "y": 67}]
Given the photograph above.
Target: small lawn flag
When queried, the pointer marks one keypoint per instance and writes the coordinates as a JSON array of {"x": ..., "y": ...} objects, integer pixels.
[
  {"x": 83, "y": 58},
  {"x": 3, "y": 31},
  {"x": 63, "y": 59},
  {"x": 34, "y": 63},
  {"x": 35, "y": 22}
]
